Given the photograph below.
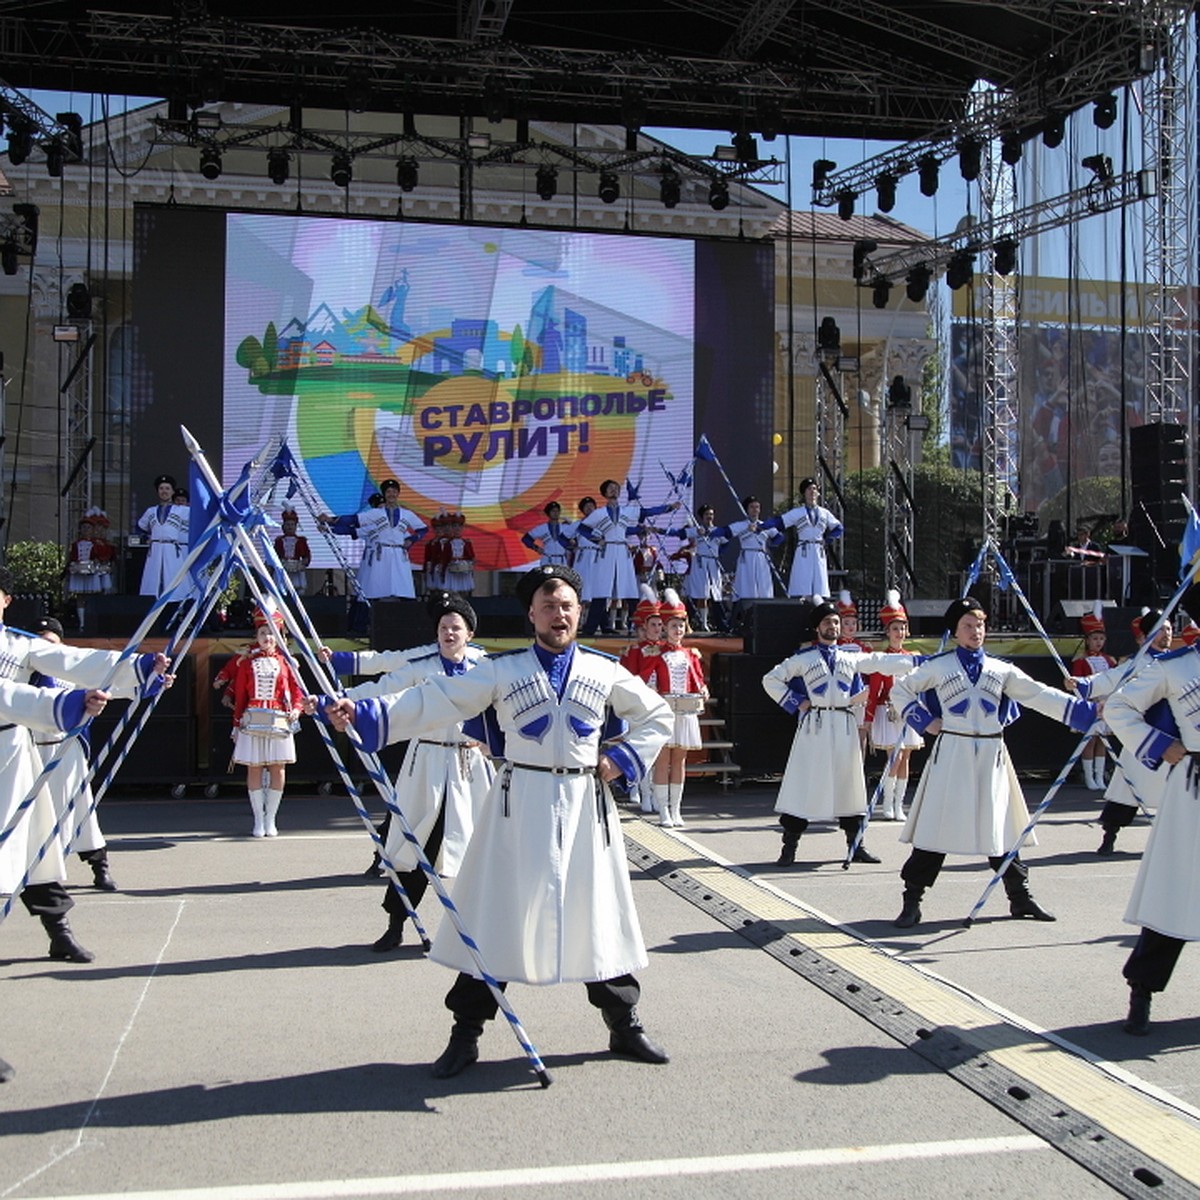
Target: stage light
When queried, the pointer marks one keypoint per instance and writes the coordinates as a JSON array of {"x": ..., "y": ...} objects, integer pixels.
[
  {"x": 899, "y": 393},
  {"x": 609, "y": 190},
  {"x": 970, "y": 158},
  {"x": 881, "y": 290},
  {"x": 1011, "y": 148},
  {"x": 1104, "y": 114},
  {"x": 407, "y": 173},
  {"x": 862, "y": 248},
  {"x": 1053, "y": 131},
  {"x": 55, "y": 157},
  {"x": 1101, "y": 166},
  {"x": 960, "y": 270},
  {"x": 845, "y": 202},
  {"x": 917, "y": 282},
  {"x": 72, "y": 135},
  {"x": 746, "y": 148},
  {"x": 210, "y": 162},
  {"x": 20, "y": 142},
  {"x": 341, "y": 169},
  {"x": 669, "y": 187},
  {"x": 885, "y": 191},
  {"x": 718, "y": 193},
  {"x": 79, "y": 302},
  {"x": 278, "y": 165},
  {"x": 829, "y": 338},
  {"x": 8, "y": 256},
  {"x": 1004, "y": 256},
  {"x": 821, "y": 169},
  {"x": 927, "y": 173},
  {"x": 546, "y": 181}
]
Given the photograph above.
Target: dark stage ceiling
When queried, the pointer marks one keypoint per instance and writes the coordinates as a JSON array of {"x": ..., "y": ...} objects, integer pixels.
[{"x": 851, "y": 68}]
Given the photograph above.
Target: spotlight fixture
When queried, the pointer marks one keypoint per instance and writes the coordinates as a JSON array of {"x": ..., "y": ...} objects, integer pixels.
[
  {"x": 960, "y": 269},
  {"x": 1053, "y": 131},
  {"x": 546, "y": 181},
  {"x": 821, "y": 169},
  {"x": 1101, "y": 167},
  {"x": 20, "y": 142},
  {"x": 210, "y": 162},
  {"x": 718, "y": 193},
  {"x": 79, "y": 302},
  {"x": 829, "y": 338},
  {"x": 862, "y": 248},
  {"x": 278, "y": 165},
  {"x": 341, "y": 169},
  {"x": 407, "y": 173},
  {"x": 845, "y": 201},
  {"x": 72, "y": 135},
  {"x": 1104, "y": 114},
  {"x": 609, "y": 190},
  {"x": 1004, "y": 256},
  {"x": 917, "y": 282},
  {"x": 746, "y": 148},
  {"x": 669, "y": 186},
  {"x": 1011, "y": 148},
  {"x": 927, "y": 173},
  {"x": 881, "y": 290},
  {"x": 8, "y": 256},
  {"x": 55, "y": 157},
  {"x": 970, "y": 158},
  {"x": 885, "y": 191},
  {"x": 899, "y": 393}
]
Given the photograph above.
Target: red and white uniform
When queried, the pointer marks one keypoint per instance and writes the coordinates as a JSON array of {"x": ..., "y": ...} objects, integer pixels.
[
  {"x": 679, "y": 670},
  {"x": 265, "y": 683},
  {"x": 460, "y": 565},
  {"x": 885, "y": 731},
  {"x": 295, "y": 555},
  {"x": 89, "y": 566}
]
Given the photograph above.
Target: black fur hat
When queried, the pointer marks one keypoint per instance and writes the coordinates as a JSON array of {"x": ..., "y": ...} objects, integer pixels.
[
  {"x": 529, "y": 583},
  {"x": 439, "y": 603}
]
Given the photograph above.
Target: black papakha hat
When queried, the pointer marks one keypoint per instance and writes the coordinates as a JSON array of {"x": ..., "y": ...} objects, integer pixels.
[
  {"x": 47, "y": 625},
  {"x": 439, "y": 603},
  {"x": 959, "y": 609},
  {"x": 826, "y": 608},
  {"x": 529, "y": 583},
  {"x": 165, "y": 479}
]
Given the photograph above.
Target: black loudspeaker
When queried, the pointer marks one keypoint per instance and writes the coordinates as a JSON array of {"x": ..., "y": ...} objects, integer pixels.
[
  {"x": 164, "y": 753},
  {"x": 329, "y": 614},
  {"x": 1158, "y": 462},
  {"x": 116, "y": 615},
  {"x": 500, "y": 617},
  {"x": 759, "y": 729},
  {"x": 737, "y": 683},
  {"x": 400, "y": 625},
  {"x": 1064, "y": 619},
  {"x": 23, "y": 611},
  {"x": 925, "y": 617},
  {"x": 776, "y": 628}
]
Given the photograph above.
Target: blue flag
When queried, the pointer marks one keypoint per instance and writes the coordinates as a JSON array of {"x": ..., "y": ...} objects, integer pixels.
[
  {"x": 704, "y": 450},
  {"x": 1189, "y": 547}
]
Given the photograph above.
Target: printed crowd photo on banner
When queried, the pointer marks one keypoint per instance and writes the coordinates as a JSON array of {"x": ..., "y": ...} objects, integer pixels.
[{"x": 489, "y": 371}]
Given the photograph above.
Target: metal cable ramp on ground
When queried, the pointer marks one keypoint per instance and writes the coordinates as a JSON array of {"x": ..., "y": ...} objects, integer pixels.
[{"x": 1136, "y": 1144}]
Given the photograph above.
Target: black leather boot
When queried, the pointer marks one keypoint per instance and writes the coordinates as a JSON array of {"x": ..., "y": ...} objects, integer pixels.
[
  {"x": 1109, "y": 843},
  {"x": 376, "y": 867},
  {"x": 101, "y": 877},
  {"x": 62, "y": 941},
  {"x": 393, "y": 935},
  {"x": 461, "y": 1051},
  {"x": 787, "y": 853},
  {"x": 628, "y": 1037},
  {"x": 1020, "y": 902},
  {"x": 850, "y": 829},
  {"x": 1138, "y": 1020},
  {"x": 910, "y": 911}
]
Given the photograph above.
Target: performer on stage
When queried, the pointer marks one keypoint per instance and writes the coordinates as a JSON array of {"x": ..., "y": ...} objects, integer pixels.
[
  {"x": 967, "y": 801},
  {"x": 436, "y": 556},
  {"x": 613, "y": 580},
  {"x": 677, "y": 674},
  {"x": 90, "y": 561},
  {"x": 848, "y": 612},
  {"x": 1166, "y": 896},
  {"x": 293, "y": 551},
  {"x": 445, "y": 777},
  {"x": 639, "y": 659},
  {"x": 549, "y": 828},
  {"x": 885, "y": 729},
  {"x": 1092, "y": 662},
  {"x": 70, "y": 779},
  {"x": 584, "y": 556},
  {"x": 388, "y": 532},
  {"x": 814, "y": 527},
  {"x": 166, "y": 525},
  {"x": 704, "y": 584},
  {"x": 268, "y": 698},
  {"x": 752, "y": 578},
  {"x": 822, "y": 684},
  {"x": 552, "y": 540},
  {"x": 460, "y": 557}
]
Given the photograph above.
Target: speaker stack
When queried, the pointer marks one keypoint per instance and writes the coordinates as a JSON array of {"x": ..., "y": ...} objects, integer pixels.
[
  {"x": 760, "y": 730},
  {"x": 776, "y": 629},
  {"x": 1158, "y": 469}
]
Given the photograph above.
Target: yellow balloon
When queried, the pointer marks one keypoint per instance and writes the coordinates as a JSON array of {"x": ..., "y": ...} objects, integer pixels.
[{"x": 777, "y": 439}]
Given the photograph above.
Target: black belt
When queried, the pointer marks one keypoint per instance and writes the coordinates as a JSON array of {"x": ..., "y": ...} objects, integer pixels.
[
  {"x": 451, "y": 745},
  {"x": 553, "y": 770},
  {"x": 6, "y": 728},
  {"x": 956, "y": 733},
  {"x": 601, "y": 792}
]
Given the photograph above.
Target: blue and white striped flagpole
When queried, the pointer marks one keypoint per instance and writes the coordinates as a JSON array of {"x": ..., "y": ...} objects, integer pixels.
[{"x": 383, "y": 783}]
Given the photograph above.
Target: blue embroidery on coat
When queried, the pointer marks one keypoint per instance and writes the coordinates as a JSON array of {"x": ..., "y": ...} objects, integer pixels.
[
  {"x": 581, "y": 728},
  {"x": 536, "y": 730}
]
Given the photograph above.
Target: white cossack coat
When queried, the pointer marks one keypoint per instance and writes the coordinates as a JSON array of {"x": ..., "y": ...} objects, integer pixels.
[
  {"x": 386, "y": 570},
  {"x": 544, "y": 887},
  {"x": 704, "y": 580},
  {"x": 968, "y": 800},
  {"x": 1166, "y": 894},
  {"x": 810, "y": 572},
  {"x": 444, "y": 768},
  {"x": 166, "y": 525},
  {"x": 612, "y": 574},
  {"x": 752, "y": 577},
  {"x": 823, "y": 779}
]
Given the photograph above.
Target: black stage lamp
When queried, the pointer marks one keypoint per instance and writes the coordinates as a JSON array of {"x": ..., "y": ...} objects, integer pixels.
[
  {"x": 8, "y": 256},
  {"x": 718, "y": 193},
  {"x": 79, "y": 302},
  {"x": 899, "y": 393},
  {"x": 927, "y": 173},
  {"x": 862, "y": 248},
  {"x": 669, "y": 187},
  {"x": 20, "y": 143},
  {"x": 960, "y": 269},
  {"x": 885, "y": 191},
  {"x": 1101, "y": 166},
  {"x": 609, "y": 190},
  {"x": 917, "y": 282},
  {"x": 845, "y": 203},
  {"x": 970, "y": 158},
  {"x": 546, "y": 181},
  {"x": 278, "y": 165},
  {"x": 881, "y": 290},
  {"x": 55, "y": 157},
  {"x": 210, "y": 162},
  {"x": 829, "y": 338},
  {"x": 1011, "y": 148},
  {"x": 821, "y": 169},
  {"x": 1004, "y": 256},
  {"x": 1053, "y": 131},
  {"x": 407, "y": 173},
  {"x": 1104, "y": 114},
  {"x": 341, "y": 170}
]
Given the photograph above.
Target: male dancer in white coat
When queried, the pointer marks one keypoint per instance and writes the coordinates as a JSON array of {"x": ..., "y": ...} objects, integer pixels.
[
  {"x": 387, "y": 532},
  {"x": 166, "y": 525},
  {"x": 27, "y": 708},
  {"x": 544, "y": 885},
  {"x": 823, "y": 684},
  {"x": 965, "y": 803},
  {"x": 814, "y": 526},
  {"x": 1166, "y": 896}
]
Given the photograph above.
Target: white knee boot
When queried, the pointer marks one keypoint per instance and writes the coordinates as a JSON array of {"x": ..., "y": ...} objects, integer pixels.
[
  {"x": 257, "y": 807},
  {"x": 887, "y": 804},
  {"x": 898, "y": 796},
  {"x": 646, "y": 796},
  {"x": 271, "y": 807},
  {"x": 663, "y": 803},
  {"x": 674, "y": 802}
]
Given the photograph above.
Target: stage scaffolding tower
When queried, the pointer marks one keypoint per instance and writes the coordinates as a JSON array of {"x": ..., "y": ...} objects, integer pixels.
[
  {"x": 78, "y": 433},
  {"x": 831, "y": 414},
  {"x": 899, "y": 570}
]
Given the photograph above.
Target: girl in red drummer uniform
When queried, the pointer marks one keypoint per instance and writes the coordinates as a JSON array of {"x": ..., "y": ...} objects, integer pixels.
[
  {"x": 884, "y": 729},
  {"x": 1092, "y": 661},
  {"x": 293, "y": 551},
  {"x": 678, "y": 672},
  {"x": 89, "y": 560},
  {"x": 267, "y": 700},
  {"x": 459, "y": 557},
  {"x": 640, "y": 658}
]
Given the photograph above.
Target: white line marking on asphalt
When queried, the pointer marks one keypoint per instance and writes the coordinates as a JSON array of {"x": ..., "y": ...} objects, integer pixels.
[
  {"x": 463, "y": 1181},
  {"x": 133, "y": 1016}
]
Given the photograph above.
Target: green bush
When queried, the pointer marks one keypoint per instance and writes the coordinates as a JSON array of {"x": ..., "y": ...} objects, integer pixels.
[{"x": 38, "y": 569}]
